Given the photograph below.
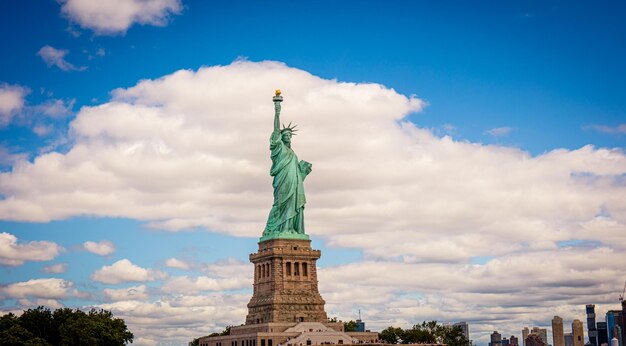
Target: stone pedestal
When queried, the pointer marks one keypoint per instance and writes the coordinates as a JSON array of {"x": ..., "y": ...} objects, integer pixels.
[{"x": 285, "y": 283}]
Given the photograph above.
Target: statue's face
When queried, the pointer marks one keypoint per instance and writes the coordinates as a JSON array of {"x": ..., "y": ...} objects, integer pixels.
[{"x": 287, "y": 137}]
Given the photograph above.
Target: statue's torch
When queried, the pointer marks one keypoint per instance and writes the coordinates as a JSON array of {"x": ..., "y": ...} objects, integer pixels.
[
  {"x": 277, "y": 100},
  {"x": 277, "y": 97}
]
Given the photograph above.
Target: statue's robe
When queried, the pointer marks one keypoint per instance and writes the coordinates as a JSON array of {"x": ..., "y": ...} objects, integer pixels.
[{"x": 287, "y": 214}]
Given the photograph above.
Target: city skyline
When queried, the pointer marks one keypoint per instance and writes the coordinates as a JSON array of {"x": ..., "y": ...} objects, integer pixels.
[
  {"x": 468, "y": 159},
  {"x": 595, "y": 333}
]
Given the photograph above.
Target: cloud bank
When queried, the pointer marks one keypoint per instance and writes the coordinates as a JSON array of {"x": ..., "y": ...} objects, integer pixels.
[{"x": 448, "y": 229}]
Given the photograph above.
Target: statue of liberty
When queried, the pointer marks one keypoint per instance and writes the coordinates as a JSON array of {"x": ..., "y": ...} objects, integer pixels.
[{"x": 286, "y": 218}]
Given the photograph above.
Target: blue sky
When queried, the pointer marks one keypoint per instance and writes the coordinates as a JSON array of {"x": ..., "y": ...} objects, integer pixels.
[{"x": 493, "y": 104}]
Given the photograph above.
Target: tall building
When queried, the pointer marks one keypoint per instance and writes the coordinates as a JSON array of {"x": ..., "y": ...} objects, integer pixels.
[
  {"x": 591, "y": 324},
  {"x": 603, "y": 337},
  {"x": 534, "y": 340},
  {"x": 496, "y": 339},
  {"x": 514, "y": 340},
  {"x": 505, "y": 342},
  {"x": 360, "y": 325},
  {"x": 614, "y": 320},
  {"x": 557, "y": 332},
  {"x": 569, "y": 339},
  {"x": 525, "y": 333},
  {"x": 578, "y": 333},
  {"x": 542, "y": 332}
]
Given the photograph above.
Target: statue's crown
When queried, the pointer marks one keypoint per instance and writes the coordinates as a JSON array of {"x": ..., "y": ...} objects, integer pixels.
[{"x": 289, "y": 128}]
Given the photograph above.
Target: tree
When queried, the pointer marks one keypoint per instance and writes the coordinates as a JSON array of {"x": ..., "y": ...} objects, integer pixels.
[
  {"x": 350, "y": 326},
  {"x": 418, "y": 335},
  {"x": 194, "y": 342},
  {"x": 39, "y": 322},
  {"x": 225, "y": 332},
  {"x": 7, "y": 321},
  {"x": 15, "y": 335},
  {"x": 425, "y": 333},
  {"x": 454, "y": 336},
  {"x": 42, "y": 327},
  {"x": 391, "y": 335}
]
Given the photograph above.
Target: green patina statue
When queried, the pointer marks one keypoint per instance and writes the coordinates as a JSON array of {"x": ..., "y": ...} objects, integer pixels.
[{"x": 286, "y": 219}]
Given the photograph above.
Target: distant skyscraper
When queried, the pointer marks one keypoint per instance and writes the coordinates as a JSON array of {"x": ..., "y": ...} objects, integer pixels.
[
  {"x": 542, "y": 332},
  {"x": 464, "y": 327},
  {"x": 496, "y": 339},
  {"x": 614, "y": 320},
  {"x": 624, "y": 320},
  {"x": 525, "y": 333},
  {"x": 603, "y": 337},
  {"x": 535, "y": 340},
  {"x": 578, "y": 332},
  {"x": 591, "y": 324},
  {"x": 514, "y": 341},
  {"x": 360, "y": 325},
  {"x": 557, "y": 332},
  {"x": 505, "y": 342},
  {"x": 569, "y": 339}
]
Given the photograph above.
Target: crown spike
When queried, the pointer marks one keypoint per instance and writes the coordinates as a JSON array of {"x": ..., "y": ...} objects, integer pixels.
[{"x": 289, "y": 128}]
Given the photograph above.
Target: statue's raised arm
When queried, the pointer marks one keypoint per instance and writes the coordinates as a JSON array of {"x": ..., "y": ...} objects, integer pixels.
[
  {"x": 286, "y": 218},
  {"x": 277, "y": 100}
]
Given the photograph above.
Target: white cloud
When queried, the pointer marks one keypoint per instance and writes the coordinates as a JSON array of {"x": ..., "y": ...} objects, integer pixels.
[
  {"x": 230, "y": 268},
  {"x": 499, "y": 131},
  {"x": 125, "y": 271},
  {"x": 56, "y": 108},
  {"x": 225, "y": 275},
  {"x": 13, "y": 108},
  {"x": 42, "y": 129},
  {"x": 13, "y": 253},
  {"x": 611, "y": 130},
  {"x": 9, "y": 157},
  {"x": 102, "y": 248},
  {"x": 176, "y": 263},
  {"x": 11, "y": 101},
  {"x": 49, "y": 303},
  {"x": 116, "y": 16},
  {"x": 449, "y": 128},
  {"x": 38, "y": 288},
  {"x": 55, "y": 268},
  {"x": 176, "y": 320},
  {"x": 56, "y": 57},
  {"x": 131, "y": 293},
  {"x": 193, "y": 285},
  {"x": 141, "y": 341}
]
